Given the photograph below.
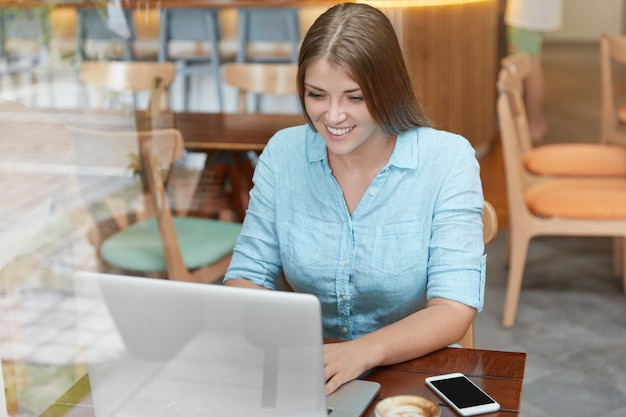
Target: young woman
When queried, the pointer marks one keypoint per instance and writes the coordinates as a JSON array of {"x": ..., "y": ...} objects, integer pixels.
[{"x": 366, "y": 206}]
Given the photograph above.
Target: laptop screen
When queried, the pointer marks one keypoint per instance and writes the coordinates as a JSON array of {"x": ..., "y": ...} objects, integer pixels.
[{"x": 166, "y": 348}]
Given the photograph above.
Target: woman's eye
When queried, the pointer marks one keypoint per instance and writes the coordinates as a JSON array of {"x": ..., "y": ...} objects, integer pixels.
[
  {"x": 356, "y": 99},
  {"x": 314, "y": 95}
]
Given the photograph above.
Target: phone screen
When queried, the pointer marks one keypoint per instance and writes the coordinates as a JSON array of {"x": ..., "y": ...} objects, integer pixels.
[{"x": 462, "y": 392}]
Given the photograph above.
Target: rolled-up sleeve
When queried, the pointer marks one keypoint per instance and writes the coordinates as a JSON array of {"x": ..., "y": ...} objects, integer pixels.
[{"x": 456, "y": 265}]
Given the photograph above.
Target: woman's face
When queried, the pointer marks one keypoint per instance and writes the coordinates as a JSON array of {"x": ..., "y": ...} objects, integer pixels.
[{"x": 337, "y": 108}]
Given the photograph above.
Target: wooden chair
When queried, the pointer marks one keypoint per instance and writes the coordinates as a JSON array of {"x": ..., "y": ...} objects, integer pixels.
[
  {"x": 261, "y": 79},
  {"x": 550, "y": 207},
  {"x": 135, "y": 77},
  {"x": 490, "y": 230},
  {"x": 160, "y": 244},
  {"x": 593, "y": 159},
  {"x": 613, "y": 89},
  {"x": 194, "y": 249}
]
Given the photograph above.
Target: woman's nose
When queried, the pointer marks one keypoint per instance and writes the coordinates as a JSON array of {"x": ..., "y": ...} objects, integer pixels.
[{"x": 335, "y": 113}]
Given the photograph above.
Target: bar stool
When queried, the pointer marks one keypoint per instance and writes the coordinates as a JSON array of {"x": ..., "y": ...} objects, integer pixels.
[
  {"x": 195, "y": 25},
  {"x": 25, "y": 46},
  {"x": 268, "y": 24},
  {"x": 91, "y": 25}
]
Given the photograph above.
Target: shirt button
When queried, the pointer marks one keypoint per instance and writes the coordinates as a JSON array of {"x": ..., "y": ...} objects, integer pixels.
[
  {"x": 345, "y": 330},
  {"x": 346, "y": 262},
  {"x": 344, "y": 298},
  {"x": 372, "y": 192}
]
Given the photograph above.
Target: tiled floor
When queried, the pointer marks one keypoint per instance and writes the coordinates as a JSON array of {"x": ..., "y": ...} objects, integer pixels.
[{"x": 571, "y": 319}]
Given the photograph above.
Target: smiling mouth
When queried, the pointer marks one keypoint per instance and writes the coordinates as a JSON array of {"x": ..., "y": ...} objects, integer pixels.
[{"x": 339, "y": 132}]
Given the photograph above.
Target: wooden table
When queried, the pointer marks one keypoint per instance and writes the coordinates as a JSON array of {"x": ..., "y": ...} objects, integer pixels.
[
  {"x": 201, "y": 131},
  {"x": 500, "y": 374},
  {"x": 224, "y": 131},
  {"x": 210, "y": 133},
  {"x": 234, "y": 134}
]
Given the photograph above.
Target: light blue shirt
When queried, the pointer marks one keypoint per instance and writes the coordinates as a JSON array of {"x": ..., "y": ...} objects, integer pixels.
[{"x": 415, "y": 235}]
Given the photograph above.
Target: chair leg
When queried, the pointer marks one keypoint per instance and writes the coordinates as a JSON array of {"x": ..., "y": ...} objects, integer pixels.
[
  {"x": 240, "y": 175},
  {"x": 519, "y": 251},
  {"x": 11, "y": 372},
  {"x": 209, "y": 198},
  {"x": 212, "y": 26},
  {"x": 211, "y": 273},
  {"x": 507, "y": 252},
  {"x": 618, "y": 255},
  {"x": 622, "y": 260},
  {"x": 186, "y": 91}
]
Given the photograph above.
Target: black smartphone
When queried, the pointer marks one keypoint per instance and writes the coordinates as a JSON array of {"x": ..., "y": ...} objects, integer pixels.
[{"x": 462, "y": 394}]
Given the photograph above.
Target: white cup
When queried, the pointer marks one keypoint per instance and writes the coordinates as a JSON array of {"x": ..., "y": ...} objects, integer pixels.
[{"x": 407, "y": 406}]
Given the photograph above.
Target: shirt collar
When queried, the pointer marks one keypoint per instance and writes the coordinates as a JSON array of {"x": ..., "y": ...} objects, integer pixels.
[{"x": 404, "y": 154}]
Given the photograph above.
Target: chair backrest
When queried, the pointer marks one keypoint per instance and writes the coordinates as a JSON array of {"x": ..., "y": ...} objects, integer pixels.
[
  {"x": 185, "y": 24},
  {"x": 106, "y": 152},
  {"x": 517, "y": 66},
  {"x": 271, "y": 79},
  {"x": 612, "y": 54},
  {"x": 115, "y": 155},
  {"x": 263, "y": 24},
  {"x": 171, "y": 249},
  {"x": 91, "y": 24},
  {"x": 135, "y": 76},
  {"x": 513, "y": 125},
  {"x": 490, "y": 230},
  {"x": 490, "y": 222},
  {"x": 29, "y": 28}
]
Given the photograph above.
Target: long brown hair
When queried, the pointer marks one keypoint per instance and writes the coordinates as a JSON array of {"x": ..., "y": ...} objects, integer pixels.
[{"x": 360, "y": 39}]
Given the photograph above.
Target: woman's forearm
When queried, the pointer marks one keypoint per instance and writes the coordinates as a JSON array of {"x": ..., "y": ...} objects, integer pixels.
[
  {"x": 440, "y": 324},
  {"x": 243, "y": 283}
]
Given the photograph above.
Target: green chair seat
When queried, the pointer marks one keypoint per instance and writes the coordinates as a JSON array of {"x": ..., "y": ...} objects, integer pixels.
[{"x": 139, "y": 248}]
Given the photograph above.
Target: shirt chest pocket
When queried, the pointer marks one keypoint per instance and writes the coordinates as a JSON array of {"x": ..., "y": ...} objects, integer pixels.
[
  {"x": 305, "y": 241},
  {"x": 397, "y": 247}
]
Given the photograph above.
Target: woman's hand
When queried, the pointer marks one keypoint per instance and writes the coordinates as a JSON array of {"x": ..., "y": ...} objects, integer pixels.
[
  {"x": 345, "y": 361},
  {"x": 440, "y": 324}
]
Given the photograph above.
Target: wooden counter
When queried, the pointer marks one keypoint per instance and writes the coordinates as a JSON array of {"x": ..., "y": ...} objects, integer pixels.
[{"x": 453, "y": 53}]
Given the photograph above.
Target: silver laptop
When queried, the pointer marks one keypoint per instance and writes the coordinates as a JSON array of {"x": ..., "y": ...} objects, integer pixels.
[{"x": 159, "y": 348}]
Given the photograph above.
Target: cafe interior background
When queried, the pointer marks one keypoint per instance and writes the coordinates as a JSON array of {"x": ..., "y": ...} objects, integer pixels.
[{"x": 40, "y": 356}]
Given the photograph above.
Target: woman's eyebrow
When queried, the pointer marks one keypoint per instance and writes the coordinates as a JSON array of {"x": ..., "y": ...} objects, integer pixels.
[
  {"x": 353, "y": 90},
  {"x": 313, "y": 87}
]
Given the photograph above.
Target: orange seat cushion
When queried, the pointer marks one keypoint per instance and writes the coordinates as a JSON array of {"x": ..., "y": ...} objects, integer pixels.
[
  {"x": 578, "y": 199},
  {"x": 577, "y": 159}
]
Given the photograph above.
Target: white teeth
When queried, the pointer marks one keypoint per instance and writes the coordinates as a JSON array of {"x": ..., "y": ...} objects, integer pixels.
[{"x": 339, "y": 132}]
